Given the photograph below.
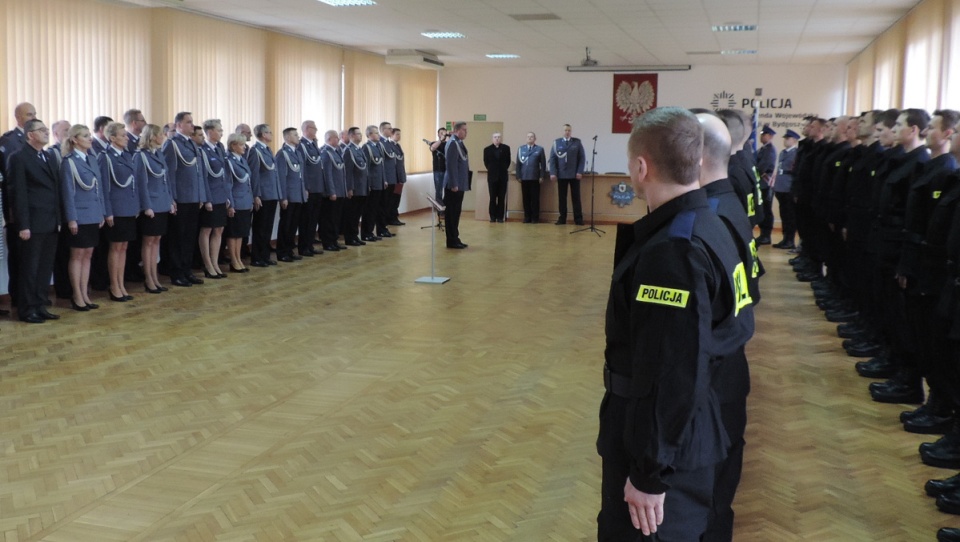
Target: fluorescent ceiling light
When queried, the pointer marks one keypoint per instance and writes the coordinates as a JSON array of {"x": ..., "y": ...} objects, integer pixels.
[
  {"x": 344, "y": 3},
  {"x": 502, "y": 55},
  {"x": 442, "y": 35},
  {"x": 734, "y": 28},
  {"x": 637, "y": 68},
  {"x": 739, "y": 52}
]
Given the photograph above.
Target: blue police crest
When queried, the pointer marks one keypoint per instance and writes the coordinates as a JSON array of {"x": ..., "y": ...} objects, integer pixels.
[{"x": 621, "y": 194}]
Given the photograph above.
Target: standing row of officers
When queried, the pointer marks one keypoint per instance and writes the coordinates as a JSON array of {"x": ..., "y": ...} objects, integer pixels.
[
  {"x": 180, "y": 190},
  {"x": 876, "y": 199}
]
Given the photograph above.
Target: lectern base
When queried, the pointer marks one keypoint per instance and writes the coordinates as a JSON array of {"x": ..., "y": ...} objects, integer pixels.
[{"x": 432, "y": 280}]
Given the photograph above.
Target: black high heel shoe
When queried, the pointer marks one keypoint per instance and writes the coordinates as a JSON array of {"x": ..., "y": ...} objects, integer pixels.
[
  {"x": 79, "y": 308},
  {"x": 117, "y": 298},
  {"x": 152, "y": 291},
  {"x": 92, "y": 306},
  {"x": 210, "y": 275}
]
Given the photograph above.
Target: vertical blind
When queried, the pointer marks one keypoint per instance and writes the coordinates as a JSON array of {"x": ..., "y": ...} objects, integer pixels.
[{"x": 77, "y": 59}]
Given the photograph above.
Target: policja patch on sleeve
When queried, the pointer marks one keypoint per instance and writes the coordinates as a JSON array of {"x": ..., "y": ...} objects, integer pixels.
[{"x": 663, "y": 296}]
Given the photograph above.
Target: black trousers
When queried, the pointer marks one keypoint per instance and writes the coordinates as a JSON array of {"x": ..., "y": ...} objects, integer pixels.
[
  {"x": 531, "y": 200},
  {"x": 574, "y": 185},
  {"x": 262, "y": 230},
  {"x": 766, "y": 225},
  {"x": 804, "y": 216},
  {"x": 13, "y": 261},
  {"x": 61, "y": 264},
  {"x": 396, "y": 194},
  {"x": 687, "y": 504},
  {"x": 498, "y": 198},
  {"x": 309, "y": 219},
  {"x": 182, "y": 232},
  {"x": 331, "y": 213},
  {"x": 386, "y": 208},
  {"x": 287, "y": 229},
  {"x": 350, "y": 221},
  {"x": 788, "y": 216},
  {"x": 453, "y": 201},
  {"x": 35, "y": 267},
  {"x": 371, "y": 213}
]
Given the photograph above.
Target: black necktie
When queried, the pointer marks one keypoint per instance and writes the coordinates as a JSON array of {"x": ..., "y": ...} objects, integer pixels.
[{"x": 42, "y": 156}]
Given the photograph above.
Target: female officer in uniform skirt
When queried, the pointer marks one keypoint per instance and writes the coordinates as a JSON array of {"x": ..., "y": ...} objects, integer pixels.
[
  {"x": 156, "y": 202},
  {"x": 82, "y": 195},
  {"x": 122, "y": 205},
  {"x": 241, "y": 196},
  {"x": 213, "y": 216}
]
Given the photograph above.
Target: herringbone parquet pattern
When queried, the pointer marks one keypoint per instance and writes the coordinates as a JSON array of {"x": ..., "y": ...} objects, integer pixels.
[{"x": 335, "y": 400}]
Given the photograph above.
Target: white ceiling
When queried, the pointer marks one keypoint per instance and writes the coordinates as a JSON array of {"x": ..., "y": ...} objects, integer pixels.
[{"x": 616, "y": 31}]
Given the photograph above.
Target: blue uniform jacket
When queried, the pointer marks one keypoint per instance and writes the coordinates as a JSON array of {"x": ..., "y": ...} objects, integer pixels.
[
  {"x": 290, "y": 172},
  {"x": 355, "y": 170},
  {"x": 241, "y": 189},
  {"x": 312, "y": 170},
  {"x": 458, "y": 165},
  {"x": 333, "y": 179},
  {"x": 153, "y": 181},
  {"x": 184, "y": 167},
  {"x": 785, "y": 171},
  {"x": 567, "y": 158},
  {"x": 264, "y": 179},
  {"x": 375, "y": 174},
  {"x": 531, "y": 163},
  {"x": 120, "y": 193},
  {"x": 218, "y": 191},
  {"x": 81, "y": 191},
  {"x": 389, "y": 149}
]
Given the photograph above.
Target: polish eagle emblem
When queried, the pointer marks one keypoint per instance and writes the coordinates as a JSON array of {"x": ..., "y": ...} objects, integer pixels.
[{"x": 633, "y": 100}]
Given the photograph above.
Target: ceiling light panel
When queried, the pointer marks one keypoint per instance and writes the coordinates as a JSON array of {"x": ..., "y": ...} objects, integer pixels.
[
  {"x": 348, "y": 3},
  {"x": 442, "y": 35}
]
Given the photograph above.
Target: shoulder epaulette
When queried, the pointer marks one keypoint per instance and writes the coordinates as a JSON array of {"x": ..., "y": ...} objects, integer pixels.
[{"x": 682, "y": 225}]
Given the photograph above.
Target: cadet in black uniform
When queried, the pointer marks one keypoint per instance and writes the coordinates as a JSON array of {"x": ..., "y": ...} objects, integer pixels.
[{"x": 677, "y": 280}]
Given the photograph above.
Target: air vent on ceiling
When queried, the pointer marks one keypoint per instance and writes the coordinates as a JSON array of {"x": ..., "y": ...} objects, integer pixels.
[
  {"x": 414, "y": 58},
  {"x": 535, "y": 17},
  {"x": 703, "y": 52}
]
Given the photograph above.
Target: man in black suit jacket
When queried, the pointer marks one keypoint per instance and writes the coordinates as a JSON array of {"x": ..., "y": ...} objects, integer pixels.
[
  {"x": 496, "y": 158},
  {"x": 11, "y": 142},
  {"x": 35, "y": 206}
]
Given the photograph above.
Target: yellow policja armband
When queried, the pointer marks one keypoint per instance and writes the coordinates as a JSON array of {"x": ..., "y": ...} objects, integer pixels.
[{"x": 663, "y": 296}]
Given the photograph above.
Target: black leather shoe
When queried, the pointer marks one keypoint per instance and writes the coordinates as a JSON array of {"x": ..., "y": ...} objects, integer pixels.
[
  {"x": 928, "y": 424},
  {"x": 118, "y": 299},
  {"x": 841, "y": 315},
  {"x": 807, "y": 277},
  {"x": 79, "y": 308},
  {"x": 92, "y": 306},
  {"x": 296, "y": 258},
  {"x": 894, "y": 391},
  {"x": 935, "y": 488},
  {"x": 396, "y": 223},
  {"x": 948, "y": 534},
  {"x": 850, "y": 329},
  {"x": 946, "y": 457},
  {"x": 385, "y": 234},
  {"x": 194, "y": 279},
  {"x": 285, "y": 259},
  {"x": 457, "y": 246},
  {"x": 877, "y": 367},
  {"x": 921, "y": 410},
  {"x": 763, "y": 240},
  {"x": 341, "y": 247},
  {"x": 370, "y": 239},
  {"x": 176, "y": 282},
  {"x": 331, "y": 248},
  {"x": 258, "y": 263},
  {"x": 210, "y": 275},
  {"x": 784, "y": 244},
  {"x": 949, "y": 502},
  {"x": 560, "y": 222},
  {"x": 243, "y": 270},
  {"x": 355, "y": 243},
  {"x": 32, "y": 318},
  {"x": 306, "y": 254},
  {"x": 150, "y": 290},
  {"x": 271, "y": 262},
  {"x": 47, "y": 315},
  {"x": 864, "y": 351}
]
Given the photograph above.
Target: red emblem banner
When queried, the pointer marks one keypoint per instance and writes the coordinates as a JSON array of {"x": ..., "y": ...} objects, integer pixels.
[{"x": 633, "y": 94}]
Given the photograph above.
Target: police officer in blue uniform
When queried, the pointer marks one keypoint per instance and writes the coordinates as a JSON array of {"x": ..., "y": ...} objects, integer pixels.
[
  {"x": 677, "y": 277},
  {"x": 241, "y": 193},
  {"x": 213, "y": 216},
  {"x": 389, "y": 150},
  {"x": 156, "y": 202},
  {"x": 531, "y": 170},
  {"x": 189, "y": 192},
  {"x": 567, "y": 163},
  {"x": 355, "y": 177},
  {"x": 268, "y": 191},
  {"x": 783, "y": 183},
  {"x": 83, "y": 209},
  {"x": 376, "y": 183},
  {"x": 766, "y": 166},
  {"x": 290, "y": 172},
  {"x": 334, "y": 192},
  {"x": 456, "y": 181},
  {"x": 309, "y": 151},
  {"x": 100, "y": 141}
]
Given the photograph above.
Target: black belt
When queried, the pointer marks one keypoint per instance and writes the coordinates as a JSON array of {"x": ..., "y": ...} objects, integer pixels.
[{"x": 618, "y": 385}]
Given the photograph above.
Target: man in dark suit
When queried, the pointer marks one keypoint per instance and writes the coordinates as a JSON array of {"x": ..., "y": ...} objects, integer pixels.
[
  {"x": 496, "y": 158},
  {"x": 456, "y": 181},
  {"x": 100, "y": 143},
  {"x": 567, "y": 162},
  {"x": 11, "y": 142},
  {"x": 35, "y": 206},
  {"x": 134, "y": 121}
]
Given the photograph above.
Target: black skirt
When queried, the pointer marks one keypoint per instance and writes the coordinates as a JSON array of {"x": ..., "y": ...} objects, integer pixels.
[
  {"x": 238, "y": 227},
  {"x": 153, "y": 227},
  {"x": 217, "y": 218},
  {"x": 88, "y": 236},
  {"x": 124, "y": 229}
]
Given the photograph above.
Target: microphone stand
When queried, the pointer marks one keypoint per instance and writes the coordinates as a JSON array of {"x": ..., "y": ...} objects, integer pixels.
[{"x": 593, "y": 191}]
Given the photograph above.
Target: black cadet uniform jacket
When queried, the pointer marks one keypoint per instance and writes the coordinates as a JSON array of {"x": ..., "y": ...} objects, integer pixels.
[{"x": 675, "y": 284}]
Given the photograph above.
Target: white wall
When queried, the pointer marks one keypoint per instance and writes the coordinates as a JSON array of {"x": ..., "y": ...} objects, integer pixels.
[{"x": 542, "y": 99}]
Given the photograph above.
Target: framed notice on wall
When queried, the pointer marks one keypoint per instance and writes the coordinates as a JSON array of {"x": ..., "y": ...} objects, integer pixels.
[{"x": 633, "y": 94}]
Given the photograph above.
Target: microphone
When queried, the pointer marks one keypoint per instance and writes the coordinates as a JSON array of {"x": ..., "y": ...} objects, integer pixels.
[
  {"x": 594, "y": 138},
  {"x": 427, "y": 142}
]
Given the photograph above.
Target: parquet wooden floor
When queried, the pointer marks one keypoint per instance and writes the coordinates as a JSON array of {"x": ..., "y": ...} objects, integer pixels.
[{"x": 336, "y": 400}]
